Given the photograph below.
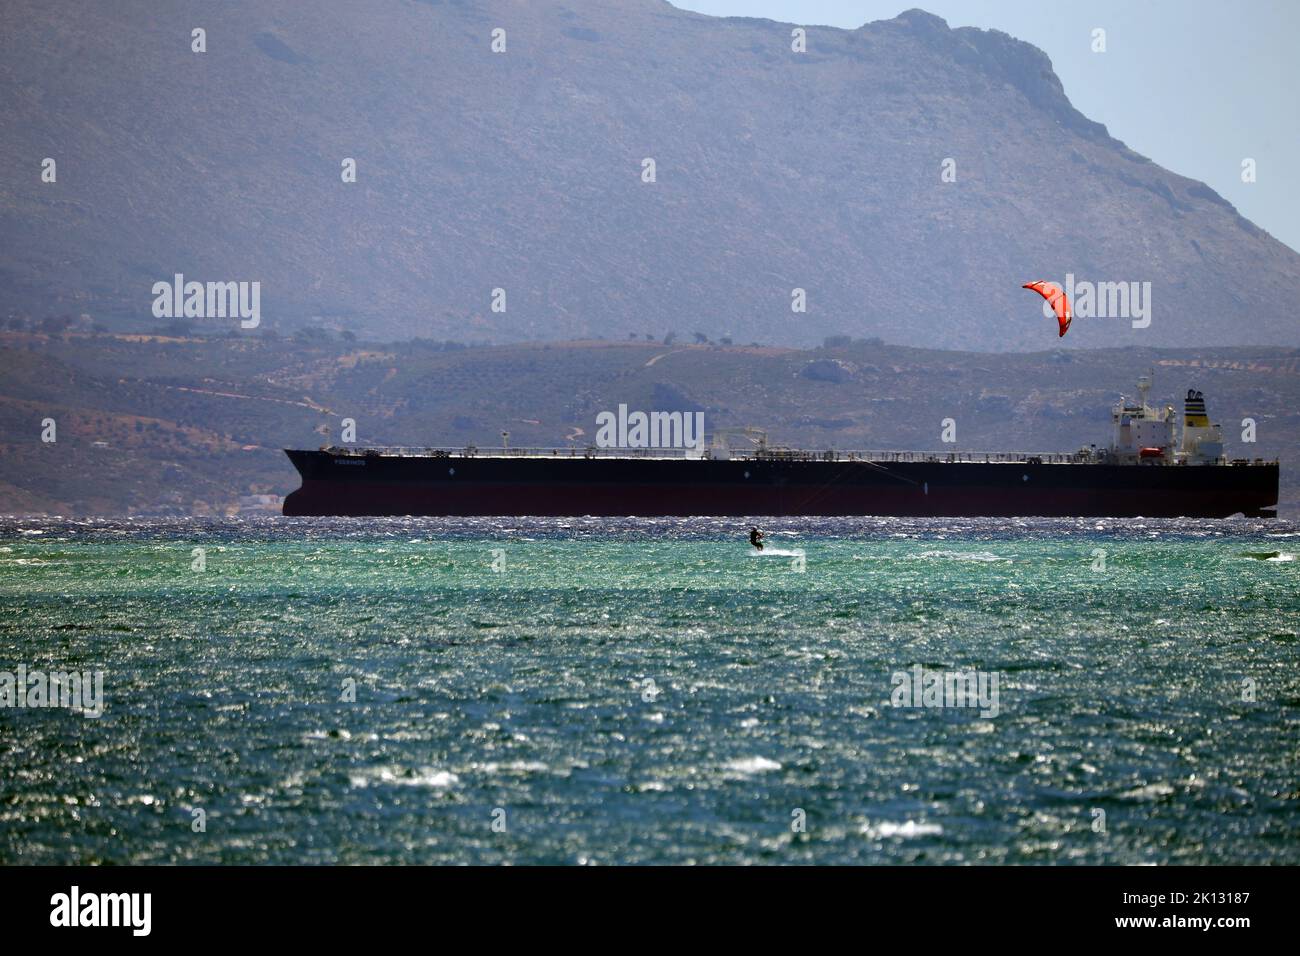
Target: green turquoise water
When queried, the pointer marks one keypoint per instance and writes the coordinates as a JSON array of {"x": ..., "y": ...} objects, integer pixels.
[{"x": 610, "y": 691}]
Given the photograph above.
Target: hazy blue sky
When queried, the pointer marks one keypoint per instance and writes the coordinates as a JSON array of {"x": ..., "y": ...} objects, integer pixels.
[{"x": 1196, "y": 85}]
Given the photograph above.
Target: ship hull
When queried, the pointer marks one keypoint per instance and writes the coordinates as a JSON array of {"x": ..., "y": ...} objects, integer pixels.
[{"x": 562, "y": 486}]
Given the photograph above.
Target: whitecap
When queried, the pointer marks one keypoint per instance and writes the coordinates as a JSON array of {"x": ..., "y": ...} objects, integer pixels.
[
  {"x": 1152, "y": 791},
  {"x": 984, "y": 556},
  {"x": 905, "y": 830},
  {"x": 752, "y": 765},
  {"x": 516, "y": 766},
  {"x": 405, "y": 777}
]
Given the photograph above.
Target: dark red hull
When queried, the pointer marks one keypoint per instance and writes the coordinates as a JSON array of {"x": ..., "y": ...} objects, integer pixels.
[{"x": 563, "y": 486}]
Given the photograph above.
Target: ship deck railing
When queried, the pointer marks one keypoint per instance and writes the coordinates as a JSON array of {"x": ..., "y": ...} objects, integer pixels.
[{"x": 878, "y": 457}]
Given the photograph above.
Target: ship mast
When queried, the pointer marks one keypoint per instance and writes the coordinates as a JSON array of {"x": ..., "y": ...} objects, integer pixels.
[{"x": 1144, "y": 389}]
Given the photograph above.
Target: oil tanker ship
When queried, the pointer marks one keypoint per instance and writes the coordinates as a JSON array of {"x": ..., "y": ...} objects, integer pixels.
[{"x": 1146, "y": 470}]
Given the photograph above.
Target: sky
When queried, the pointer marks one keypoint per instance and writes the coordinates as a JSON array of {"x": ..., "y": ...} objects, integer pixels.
[{"x": 1198, "y": 86}]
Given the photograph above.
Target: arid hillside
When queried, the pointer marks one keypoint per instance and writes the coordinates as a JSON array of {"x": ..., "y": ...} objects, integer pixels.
[{"x": 525, "y": 171}]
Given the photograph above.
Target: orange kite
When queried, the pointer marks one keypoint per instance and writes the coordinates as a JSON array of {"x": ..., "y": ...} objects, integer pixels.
[{"x": 1055, "y": 297}]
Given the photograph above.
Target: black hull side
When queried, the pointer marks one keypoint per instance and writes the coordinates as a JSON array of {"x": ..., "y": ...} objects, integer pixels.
[{"x": 650, "y": 487}]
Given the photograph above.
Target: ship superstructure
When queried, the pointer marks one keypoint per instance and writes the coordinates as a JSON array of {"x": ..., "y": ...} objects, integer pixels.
[{"x": 1142, "y": 433}]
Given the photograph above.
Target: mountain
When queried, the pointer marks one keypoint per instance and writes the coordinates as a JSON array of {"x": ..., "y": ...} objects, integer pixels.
[
  {"x": 522, "y": 171},
  {"x": 170, "y": 425}
]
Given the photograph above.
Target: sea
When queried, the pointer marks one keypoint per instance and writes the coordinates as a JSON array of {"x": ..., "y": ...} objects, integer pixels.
[{"x": 635, "y": 691}]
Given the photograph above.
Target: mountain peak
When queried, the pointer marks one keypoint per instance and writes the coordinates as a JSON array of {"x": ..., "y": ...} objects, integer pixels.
[{"x": 922, "y": 21}]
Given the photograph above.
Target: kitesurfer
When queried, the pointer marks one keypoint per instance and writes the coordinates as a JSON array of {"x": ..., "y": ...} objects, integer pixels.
[{"x": 756, "y": 538}]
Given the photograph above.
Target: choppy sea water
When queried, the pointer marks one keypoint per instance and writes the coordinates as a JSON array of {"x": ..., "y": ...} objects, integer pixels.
[{"x": 598, "y": 691}]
